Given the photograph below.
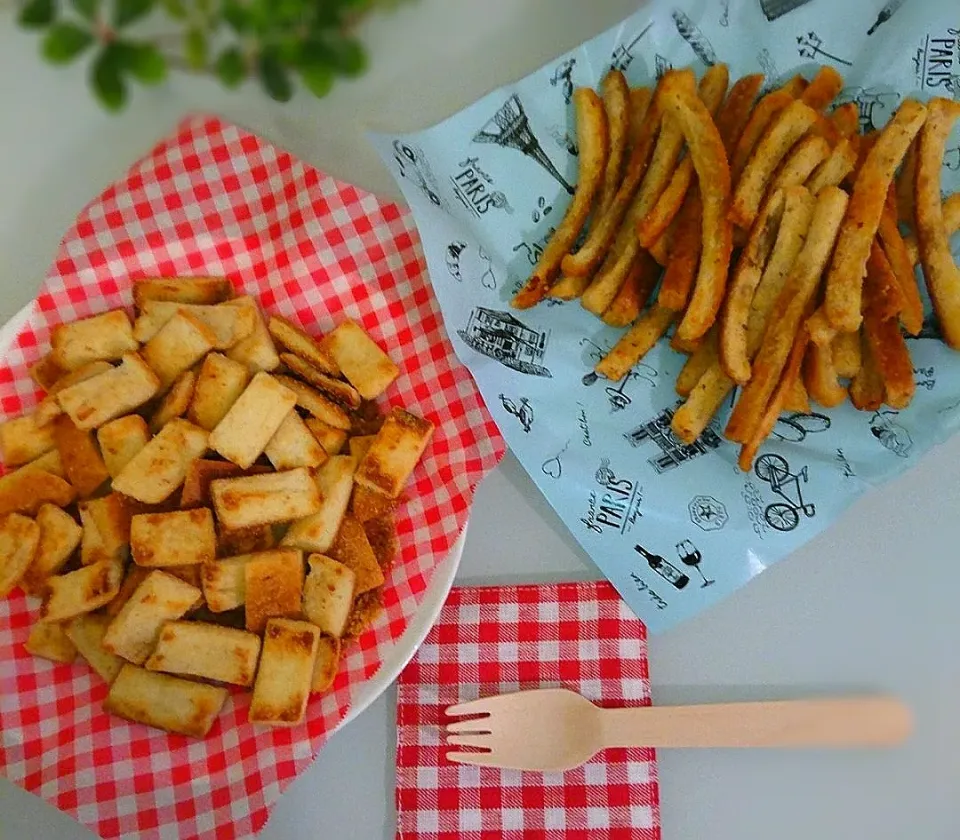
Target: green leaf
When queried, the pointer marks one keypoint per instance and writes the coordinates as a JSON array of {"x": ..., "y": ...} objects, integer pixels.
[
  {"x": 231, "y": 67},
  {"x": 126, "y": 12},
  {"x": 351, "y": 58},
  {"x": 236, "y": 15},
  {"x": 86, "y": 8},
  {"x": 275, "y": 79},
  {"x": 175, "y": 8},
  {"x": 64, "y": 42},
  {"x": 144, "y": 62},
  {"x": 196, "y": 48},
  {"x": 317, "y": 78},
  {"x": 37, "y": 13},
  {"x": 106, "y": 77}
]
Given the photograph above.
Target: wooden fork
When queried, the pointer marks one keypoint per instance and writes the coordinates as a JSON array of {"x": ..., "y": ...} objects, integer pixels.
[{"x": 556, "y": 729}]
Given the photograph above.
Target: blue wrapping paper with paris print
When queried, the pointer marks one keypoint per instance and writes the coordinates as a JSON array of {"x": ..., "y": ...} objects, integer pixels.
[{"x": 675, "y": 528}]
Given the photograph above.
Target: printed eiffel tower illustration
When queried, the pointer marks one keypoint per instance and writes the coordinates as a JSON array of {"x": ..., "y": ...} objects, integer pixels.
[{"x": 509, "y": 128}]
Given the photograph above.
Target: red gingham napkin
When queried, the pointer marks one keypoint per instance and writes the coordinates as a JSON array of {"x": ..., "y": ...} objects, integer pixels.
[
  {"x": 215, "y": 200},
  {"x": 493, "y": 640}
]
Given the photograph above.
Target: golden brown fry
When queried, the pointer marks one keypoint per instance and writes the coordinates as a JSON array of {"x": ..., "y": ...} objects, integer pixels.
[
  {"x": 939, "y": 268},
  {"x": 686, "y": 347},
  {"x": 792, "y": 306},
  {"x": 951, "y": 221},
  {"x": 660, "y": 250},
  {"x": 682, "y": 269},
  {"x": 733, "y": 116},
  {"x": 821, "y": 331},
  {"x": 713, "y": 87},
  {"x": 798, "y": 400},
  {"x": 881, "y": 330},
  {"x": 823, "y": 89},
  {"x": 831, "y": 173},
  {"x": 911, "y": 314},
  {"x": 605, "y": 227},
  {"x": 634, "y": 293},
  {"x": 616, "y": 102},
  {"x": 795, "y": 86},
  {"x": 804, "y": 158},
  {"x": 640, "y": 99},
  {"x": 820, "y": 376},
  {"x": 845, "y": 278},
  {"x": 906, "y": 187},
  {"x": 736, "y": 314},
  {"x": 703, "y": 358},
  {"x": 846, "y": 119},
  {"x": 760, "y": 119},
  {"x": 704, "y": 402},
  {"x": 713, "y": 171},
  {"x": 570, "y": 287},
  {"x": 636, "y": 343},
  {"x": 866, "y": 389},
  {"x": 847, "y": 354},
  {"x": 593, "y": 140},
  {"x": 792, "y": 123},
  {"x": 886, "y": 298}
]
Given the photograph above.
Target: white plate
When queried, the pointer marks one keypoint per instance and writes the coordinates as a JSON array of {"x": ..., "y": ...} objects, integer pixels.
[{"x": 406, "y": 646}]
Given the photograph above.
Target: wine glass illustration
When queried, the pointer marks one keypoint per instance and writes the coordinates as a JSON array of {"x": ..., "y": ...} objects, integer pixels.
[
  {"x": 690, "y": 556},
  {"x": 510, "y": 129}
]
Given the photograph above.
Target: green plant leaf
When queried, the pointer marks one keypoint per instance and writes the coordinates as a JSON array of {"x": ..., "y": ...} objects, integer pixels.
[
  {"x": 144, "y": 62},
  {"x": 318, "y": 78},
  {"x": 196, "y": 48},
  {"x": 275, "y": 79},
  {"x": 126, "y": 12},
  {"x": 351, "y": 58},
  {"x": 64, "y": 42},
  {"x": 231, "y": 67},
  {"x": 37, "y": 13},
  {"x": 106, "y": 77},
  {"x": 175, "y": 8},
  {"x": 86, "y": 8},
  {"x": 236, "y": 15}
]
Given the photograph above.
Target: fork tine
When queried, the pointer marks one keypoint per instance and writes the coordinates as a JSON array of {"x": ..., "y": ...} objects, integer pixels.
[
  {"x": 469, "y": 725},
  {"x": 475, "y": 741},
  {"x": 479, "y": 759},
  {"x": 474, "y": 707}
]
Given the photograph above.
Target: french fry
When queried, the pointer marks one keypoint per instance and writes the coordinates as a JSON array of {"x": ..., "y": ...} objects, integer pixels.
[
  {"x": 705, "y": 145},
  {"x": 797, "y": 400},
  {"x": 605, "y": 227},
  {"x": 616, "y": 103},
  {"x": 169, "y": 703},
  {"x": 80, "y": 456},
  {"x": 951, "y": 221},
  {"x": 49, "y": 641},
  {"x": 359, "y": 357},
  {"x": 336, "y": 389},
  {"x": 82, "y": 591},
  {"x": 593, "y": 139},
  {"x": 395, "y": 452},
  {"x": 703, "y": 358},
  {"x": 882, "y": 334},
  {"x": 803, "y": 159},
  {"x": 219, "y": 385},
  {"x": 570, "y": 287},
  {"x": 328, "y": 594},
  {"x": 832, "y": 172},
  {"x": 19, "y": 538},
  {"x": 820, "y": 376},
  {"x": 273, "y": 587},
  {"x": 253, "y": 420},
  {"x": 300, "y": 343},
  {"x": 334, "y": 483},
  {"x": 208, "y": 651},
  {"x": 177, "y": 538},
  {"x": 640, "y": 100},
  {"x": 353, "y": 550},
  {"x": 46, "y": 372},
  {"x": 639, "y": 340},
  {"x": 733, "y": 116},
  {"x": 329, "y": 437},
  {"x": 326, "y": 664},
  {"x": 134, "y": 631},
  {"x": 939, "y": 268},
  {"x": 866, "y": 389},
  {"x": 178, "y": 345},
  {"x": 760, "y": 119},
  {"x": 282, "y": 689},
  {"x": 792, "y": 306},
  {"x": 681, "y": 270},
  {"x": 823, "y": 89},
  {"x": 789, "y": 126},
  {"x": 821, "y": 331},
  {"x": 887, "y": 300},
  {"x": 734, "y": 353},
  {"x": 26, "y": 490},
  {"x": 106, "y": 529},
  {"x": 257, "y": 351},
  {"x": 228, "y": 324},
  {"x": 847, "y": 354},
  {"x": 120, "y": 440},
  {"x": 255, "y": 500},
  {"x": 660, "y": 250},
  {"x": 196, "y": 290},
  {"x": 116, "y": 392},
  {"x": 895, "y": 248},
  {"x": 846, "y": 118},
  {"x": 176, "y": 401},
  {"x": 86, "y": 632},
  {"x": 22, "y": 440},
  {"x": 845, "y": 277},
  {"x": 293, "y": 445},
  {"x": 159, "y": 469},
  {"x": 315, "y": 403},
  {"x": 906, "y": 188},
  {"x": 633, "y": 294},
  {"x": 105, "y": 337},
  {"x": 59, "y": 538}
]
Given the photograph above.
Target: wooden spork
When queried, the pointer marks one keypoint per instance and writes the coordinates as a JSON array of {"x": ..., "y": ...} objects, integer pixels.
[{"x": 556, "y": 729}]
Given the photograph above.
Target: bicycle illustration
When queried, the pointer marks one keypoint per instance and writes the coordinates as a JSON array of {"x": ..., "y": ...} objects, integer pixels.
[{"x": 784, "y": 516}]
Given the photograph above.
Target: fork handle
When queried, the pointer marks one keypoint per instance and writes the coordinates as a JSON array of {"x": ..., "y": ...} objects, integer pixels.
[{"x": 845, "y": 722}]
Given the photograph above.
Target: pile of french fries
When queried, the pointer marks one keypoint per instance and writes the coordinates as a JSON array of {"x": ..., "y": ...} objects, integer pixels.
[
  {"x": 204, "y": 498},
  {"x": 776, "y": 241}
]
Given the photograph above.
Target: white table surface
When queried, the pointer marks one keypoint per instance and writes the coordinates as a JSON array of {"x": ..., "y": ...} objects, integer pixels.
[{"x": 832, "y": 618}]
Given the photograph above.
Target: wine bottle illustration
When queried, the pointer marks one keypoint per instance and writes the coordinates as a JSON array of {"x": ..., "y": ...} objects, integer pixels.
[{"x": 664, "y": 568}]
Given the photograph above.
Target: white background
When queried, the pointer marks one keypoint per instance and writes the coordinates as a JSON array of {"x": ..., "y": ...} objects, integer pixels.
[{"x": 831, "y": 619}]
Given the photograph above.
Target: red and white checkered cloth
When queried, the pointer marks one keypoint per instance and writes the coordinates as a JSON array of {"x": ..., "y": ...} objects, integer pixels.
[
  {"x": 215, "y": 200},
  {"x": 493, "y": 640}
]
